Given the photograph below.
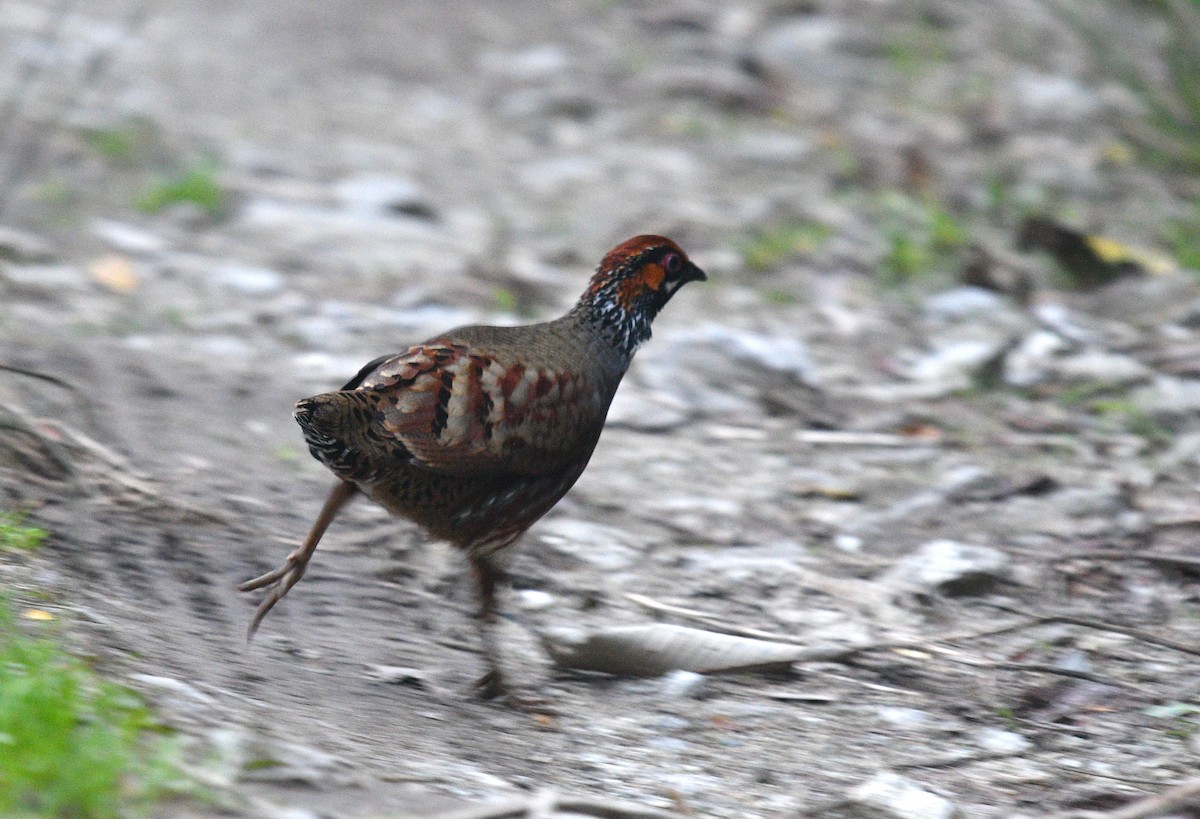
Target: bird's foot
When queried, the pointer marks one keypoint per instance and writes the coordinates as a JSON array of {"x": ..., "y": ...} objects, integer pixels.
[
  {"x": 294, "y": 560},
  {"x": 281, "y": 580},
  {"x": 492, "y": 686}
]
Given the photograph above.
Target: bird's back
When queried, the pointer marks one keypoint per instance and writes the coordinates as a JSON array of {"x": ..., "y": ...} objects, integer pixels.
[{"x": 474, "y": 434}]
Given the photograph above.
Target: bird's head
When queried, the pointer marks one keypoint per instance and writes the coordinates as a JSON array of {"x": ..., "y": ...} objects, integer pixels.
[{"x": 633, "y": 282}]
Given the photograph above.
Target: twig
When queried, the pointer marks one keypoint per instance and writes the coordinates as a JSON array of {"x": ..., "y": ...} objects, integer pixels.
[
  {"x": 501, "y": 809},
  {"x": 873, "y": 686},
  {"x": 833, "y": 437},
  {"x": 829, "y": 807},
  {"x": 831, "y": 653},
  {"x": 866, "y": 597},
  {"x": 1184, "y": 795},
  {"x": 711, "y": 619},
  {"x": 834, "y": 654},
  {"x": 958, "y": 760},
  {"x": 82, "y": 458},
  {"x": 1041, "y": 668},
  {"x": 1181, "y": 561},
  {"x": 85, "y": 406},
  {"x": 1100, "y": 625},
  {"x": 525, "y": 807},
  {"x": 612, "y": 810},
  {"x": 53, "y": 450},
  {"x": 815, "y": 654},
  {"x": 1033, "y": 668}
]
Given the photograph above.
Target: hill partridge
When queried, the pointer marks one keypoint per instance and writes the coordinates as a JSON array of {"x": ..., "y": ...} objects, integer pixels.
[{"x": 478, "y": 432}]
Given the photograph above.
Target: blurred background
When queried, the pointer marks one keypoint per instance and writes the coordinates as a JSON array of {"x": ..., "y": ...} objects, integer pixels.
[
  {"x": 951, "y": 249},
  {"x": 391, "y": 157}
]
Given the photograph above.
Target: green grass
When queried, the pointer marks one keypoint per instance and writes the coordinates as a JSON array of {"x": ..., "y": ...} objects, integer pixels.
[
  {"x": 138, "y": 144},
  {"x": 1010, "y": 717},
  {"x": 906, "y": 258},
  {"x": 917, "y": 50},
  {"x": 14, "y": 537},
  {"x": 58, "y": 201},
  {"x": 506, "y": 300},
  {"x": 1084, "y": 394},
  {"x": 999, "y": 193},
  {"x": 117, "y": 144},
  {"x": 287, "y": 454},
  {"x": 1112, "y": 406},
  {"x": 1183, "y": 238},
  {"x": 922, "y": 238},
  {"x": 133, "y": 141},
  {"x": 946, "y": 232},
  {"x": 772, "y": 245},
  {"x": 197, "y": 185},
  {"x": 1132, "y": 419},
  {"x": 72, "y": 744},
  {"x": 781, "y": 298},
  {"x": 1169, "y": 133},
  {"x": 1181, "y": 714}
]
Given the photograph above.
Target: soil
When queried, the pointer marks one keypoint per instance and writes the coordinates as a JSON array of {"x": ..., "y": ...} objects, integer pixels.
[{"x": 780, "y": 458}]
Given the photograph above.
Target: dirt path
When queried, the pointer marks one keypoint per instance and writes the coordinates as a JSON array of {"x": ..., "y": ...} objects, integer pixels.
[{"x": 394, "y": 171}]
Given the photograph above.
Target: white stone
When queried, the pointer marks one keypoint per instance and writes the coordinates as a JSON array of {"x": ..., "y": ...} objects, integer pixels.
[
  {"x": 900, "y": 797},
  {"x": 962, "y": 302},
  {"x": 956, "y": 359},
  {"x": 534, "y": 599},
  {"x": 381, "y": 194},
  {"x": 947, "y": 565},
  {"x": 681, "y": 684},
  {"x": 128, "y": 238},
  {"x": 1002, "y": 741},
  {"x": 247, "y": 280}
]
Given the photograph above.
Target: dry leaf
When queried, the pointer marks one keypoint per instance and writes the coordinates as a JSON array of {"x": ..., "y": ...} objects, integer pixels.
[
  {"x": 657, "y": 648},
  {"x": 114, "y": 272},
  {"x": 1114, "y": 252}
]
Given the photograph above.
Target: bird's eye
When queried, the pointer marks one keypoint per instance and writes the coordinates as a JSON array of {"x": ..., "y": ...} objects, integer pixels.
[{"x": 672, "y": 263}]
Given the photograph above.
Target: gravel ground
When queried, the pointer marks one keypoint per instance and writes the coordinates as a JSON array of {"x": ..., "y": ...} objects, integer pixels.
[{"x": 992, "y": 494}]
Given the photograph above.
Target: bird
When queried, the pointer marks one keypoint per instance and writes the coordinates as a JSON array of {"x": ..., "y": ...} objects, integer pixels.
[
  {"x": 477, "y": 433},
  {"x": 1090, "y": 261}
]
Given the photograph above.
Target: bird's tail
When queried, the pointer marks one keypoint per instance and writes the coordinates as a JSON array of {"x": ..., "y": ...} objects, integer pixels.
[{"x": 337, "y": 426}]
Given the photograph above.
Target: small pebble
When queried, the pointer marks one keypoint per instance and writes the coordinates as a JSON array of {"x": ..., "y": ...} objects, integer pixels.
[
  {"x": 683, "y": 684},
  {"x": 534, "y": 599},
  {"x": 1002, "y": 741},
  {"x": 899, "y": 797},
  {"x": 399, "y": 675},
  {"x": 249, "y": 281}
]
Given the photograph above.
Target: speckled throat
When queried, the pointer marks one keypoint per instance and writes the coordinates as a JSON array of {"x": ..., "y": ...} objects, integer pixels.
[{"x": 633, "y": 282}]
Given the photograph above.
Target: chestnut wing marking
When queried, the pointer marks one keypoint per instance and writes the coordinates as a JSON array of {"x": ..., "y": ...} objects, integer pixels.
[{"x": 461, "y": 412}]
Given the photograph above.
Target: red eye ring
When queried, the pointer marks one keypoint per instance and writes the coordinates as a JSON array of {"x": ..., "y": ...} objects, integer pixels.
[{"x": 672, "y": 263}]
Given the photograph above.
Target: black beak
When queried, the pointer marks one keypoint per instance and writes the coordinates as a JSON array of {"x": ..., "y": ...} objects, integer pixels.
[{"x": 694, "y": 274}]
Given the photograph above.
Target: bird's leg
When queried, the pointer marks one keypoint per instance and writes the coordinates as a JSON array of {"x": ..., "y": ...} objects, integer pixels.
[
  {"x": 493, "y": 684},
  {"x": 293, "y": 568},
  {"x": 486, "y": 576}
]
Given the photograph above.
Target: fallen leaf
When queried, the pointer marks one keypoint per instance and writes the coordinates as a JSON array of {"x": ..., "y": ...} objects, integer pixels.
[
  {"x": 1090, "y": 260},
  {"x": 1114, "y": 252},
  {"x": 114, "y": 272},
  {"x": 655, "y": 649},
  {"x": 921, "y": 432},
  {"x": 837, "y": 493}
]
